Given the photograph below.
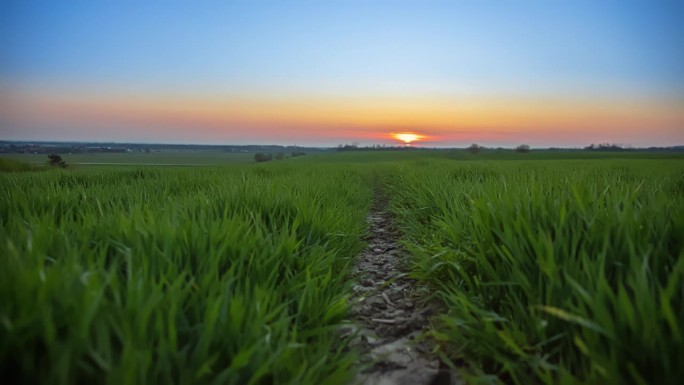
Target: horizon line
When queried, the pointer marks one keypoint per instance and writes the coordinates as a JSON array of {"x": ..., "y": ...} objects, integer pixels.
[{"x": 397, "y": 145}]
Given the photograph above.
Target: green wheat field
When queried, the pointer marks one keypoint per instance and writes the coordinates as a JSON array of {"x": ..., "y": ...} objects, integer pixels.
[{"x": 550, "y": 268}]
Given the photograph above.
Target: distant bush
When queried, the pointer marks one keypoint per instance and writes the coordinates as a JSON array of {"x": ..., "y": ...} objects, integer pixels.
[
  {"x": 605, "y": 147},
  {"x": 279, "y": 156},
  {"x": 474, "y": 148},
  {"x": 55, "y": 160},
  {"x": 348, "y": 147},
  {"x": 522, "y": 148},
  {"x": 294, "y": 154},
  {"x": 261, "y": 157}
]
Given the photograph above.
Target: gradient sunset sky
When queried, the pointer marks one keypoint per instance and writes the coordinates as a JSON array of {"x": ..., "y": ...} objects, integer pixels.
[{"x": 497, "y": 73}]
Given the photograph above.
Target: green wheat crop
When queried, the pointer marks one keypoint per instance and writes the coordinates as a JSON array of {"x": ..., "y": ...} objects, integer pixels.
[
  {"x": 188, "y": 276},
  {"x": 570, "y": 272},
  {"x": 550, "y": 271}
]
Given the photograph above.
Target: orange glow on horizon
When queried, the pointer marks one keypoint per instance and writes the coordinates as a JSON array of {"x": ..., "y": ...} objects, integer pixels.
[
  {"x": 374, "y": 119},
  {"x": 407, "y": 137}
]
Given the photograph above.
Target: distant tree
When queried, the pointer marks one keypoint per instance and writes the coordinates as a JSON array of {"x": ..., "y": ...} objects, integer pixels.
[
  {"x": 261, "y": 157},
  {"x": 611, "y": 147},
  {"x": 279, "y": 156},
  {"x": 55, "y": 160},
  {"x": 522, "y": 148},
  {"x": 474, "y": 148},
  {"x": 605, "y": 147},
  {"x": 298, "y": 154},
  {"x": 348, "y": 147}
]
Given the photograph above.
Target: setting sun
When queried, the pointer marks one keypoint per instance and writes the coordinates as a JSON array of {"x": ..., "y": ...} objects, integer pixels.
[{"x": 407, "y": 137}]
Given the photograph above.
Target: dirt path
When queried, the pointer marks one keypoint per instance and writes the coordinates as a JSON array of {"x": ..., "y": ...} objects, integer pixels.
[{"x": 388, "y": 314}]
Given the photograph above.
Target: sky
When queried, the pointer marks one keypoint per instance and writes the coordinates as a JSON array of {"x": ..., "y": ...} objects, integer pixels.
[{"x": 497, "y": 73}]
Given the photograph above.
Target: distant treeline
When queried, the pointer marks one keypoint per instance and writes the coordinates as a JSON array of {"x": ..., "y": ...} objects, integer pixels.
[
  {"x": 603, "y": 147},
  {"x": 8, "y": 147},
  {"x": 16, "y": 147},
  {"x": 375, "y": 147},
  {"x": 61, "y": 149},
  {"x": 611, "y": 147}
]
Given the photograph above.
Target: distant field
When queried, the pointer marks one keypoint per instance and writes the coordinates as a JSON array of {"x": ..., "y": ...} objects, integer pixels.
[
  {"x": 552, "y": 268},
  {"x": 391, "y": 156},
  {"x": 211, "y": 158},
  {"x": 189, "y": 158}
]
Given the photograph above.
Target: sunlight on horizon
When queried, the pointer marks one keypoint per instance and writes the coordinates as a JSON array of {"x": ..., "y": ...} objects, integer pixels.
[{"x": 407, "y": 137}]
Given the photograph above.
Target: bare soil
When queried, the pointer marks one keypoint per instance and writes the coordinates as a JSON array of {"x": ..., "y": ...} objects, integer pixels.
[{"x": 389, "y": 316}]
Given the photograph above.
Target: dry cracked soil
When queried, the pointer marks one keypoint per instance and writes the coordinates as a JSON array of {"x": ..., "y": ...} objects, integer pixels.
[{"x": 389, "y": 316}]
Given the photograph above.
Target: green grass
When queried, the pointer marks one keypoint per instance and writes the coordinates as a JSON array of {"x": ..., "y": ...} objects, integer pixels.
[
  {"x": 231, "y": 276},
  {"x": 12, "y": 165},
  {"x": 564, "y": 272},
  {"x": 551, "y": 270}
]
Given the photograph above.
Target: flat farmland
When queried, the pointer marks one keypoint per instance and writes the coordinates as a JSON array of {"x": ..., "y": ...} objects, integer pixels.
[
  {"x": 539, "y": 269},
  {"x": 165, "y": 158}
]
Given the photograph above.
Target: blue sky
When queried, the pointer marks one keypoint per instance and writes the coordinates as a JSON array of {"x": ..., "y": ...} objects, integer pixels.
[{"x": 357, "y": 49}]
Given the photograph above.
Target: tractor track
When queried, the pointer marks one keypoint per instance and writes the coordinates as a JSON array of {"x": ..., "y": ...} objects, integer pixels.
[{"x": 389, "y": 316}]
